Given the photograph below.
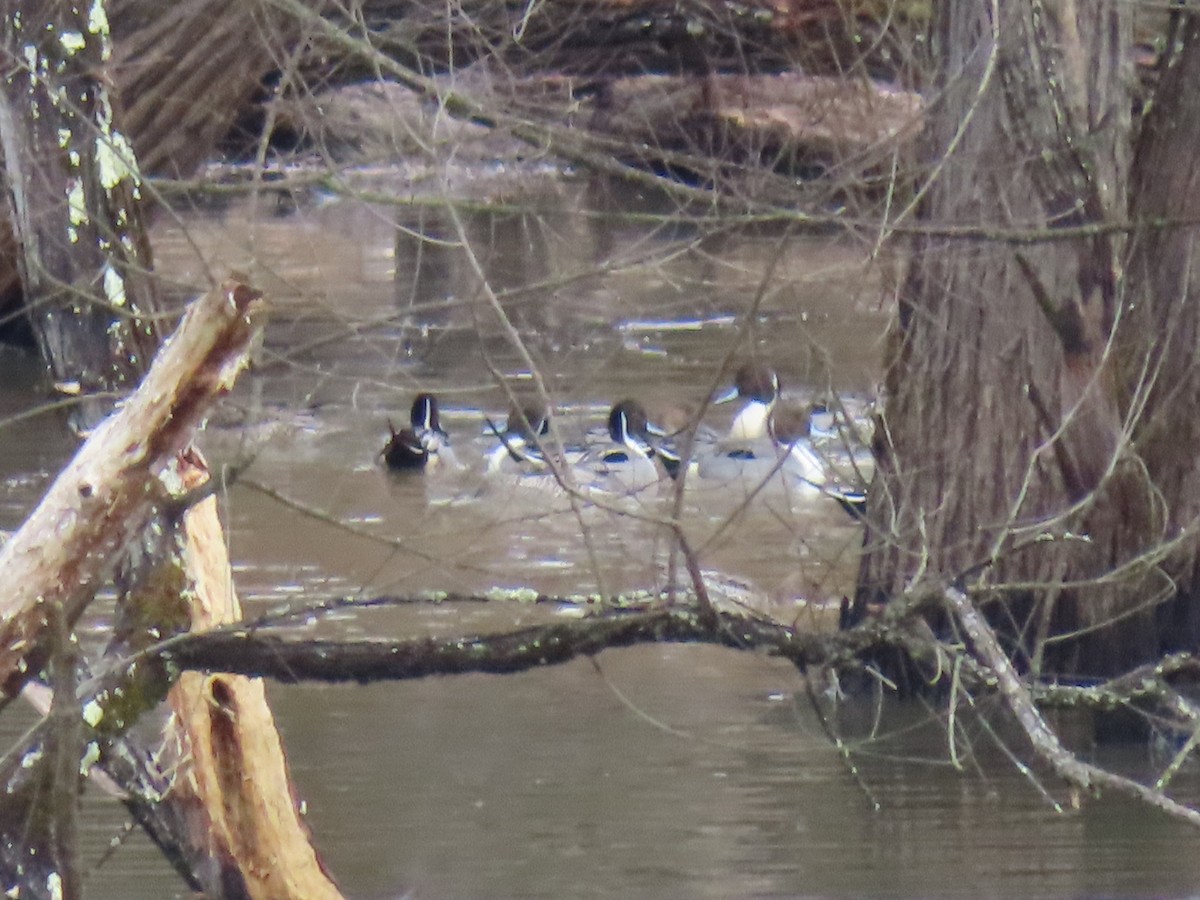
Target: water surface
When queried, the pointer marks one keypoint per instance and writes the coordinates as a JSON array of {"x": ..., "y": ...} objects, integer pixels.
[{"x": 659, "y": 771}]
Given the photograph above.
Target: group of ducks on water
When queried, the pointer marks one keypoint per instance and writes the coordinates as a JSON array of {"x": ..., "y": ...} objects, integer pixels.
[{"x": 766, "y": 439}]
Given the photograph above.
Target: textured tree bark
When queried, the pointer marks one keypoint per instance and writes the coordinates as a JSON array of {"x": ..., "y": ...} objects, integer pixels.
[
  {"x": 230, "y": 792},
  {"x": 338, "y": 661},
  {"x": 1164, "y": 283},
  {"x": 73, "y": 190},
  {"x": 183, "y": 71},
  {"x": 1008, "y": 455},
  {"x": 104, "y": 498},
  {"x": 52, "y": 566}
]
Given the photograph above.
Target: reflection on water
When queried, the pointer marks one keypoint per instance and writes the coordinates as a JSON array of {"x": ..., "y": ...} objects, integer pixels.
[
  {"x": 715, "y": 783},
  {"x": 667, "y": 771}
]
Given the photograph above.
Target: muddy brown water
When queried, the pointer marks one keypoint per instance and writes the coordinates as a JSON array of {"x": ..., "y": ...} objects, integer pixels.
[{"x": 659, "y": 771}]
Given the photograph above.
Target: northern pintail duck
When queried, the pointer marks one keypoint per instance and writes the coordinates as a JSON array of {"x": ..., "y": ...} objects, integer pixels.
[
  {"x": 415, "y": 445},
  {"x": 672, "y": 427},
  {"x": 791, "y": 430},
  {"x": 634, "y": 459},
  {"x": 769, "y": 436},
  {"x": 520, "y": 438},
  {"x": 747, "y": 453},
  {"x": 758, "y": 386}
]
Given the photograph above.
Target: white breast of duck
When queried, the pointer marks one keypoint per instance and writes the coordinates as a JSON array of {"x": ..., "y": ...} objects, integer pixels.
[{"x": 758, "y": 387}]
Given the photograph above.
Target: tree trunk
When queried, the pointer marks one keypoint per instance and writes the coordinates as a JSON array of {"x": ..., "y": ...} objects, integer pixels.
[
  {"x": 237, "y": 795},
  {"x": 1009, "y": 451},
  {"x": 56, "y": 561},
  {"x": 100, "y": 503},
  {"x": 73, "y": 190},
  {"x": 1164, "y": 282},
  {"x": 183, "y": 71}
]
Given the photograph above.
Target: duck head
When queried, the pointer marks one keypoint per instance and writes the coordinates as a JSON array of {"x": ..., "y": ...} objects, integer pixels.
[
  {"x": 758, "y": 386},
  {"x": 629, "y": 427}
]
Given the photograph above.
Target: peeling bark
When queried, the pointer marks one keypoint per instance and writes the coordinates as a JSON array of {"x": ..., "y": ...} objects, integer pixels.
[
  {"x": 98, "y": 505},
  {"x": 74, "y": 188},
  {"x": 236, "y": 795},
  {"x": 228, "y": 813},
  {"x": 53, "y": 565}
]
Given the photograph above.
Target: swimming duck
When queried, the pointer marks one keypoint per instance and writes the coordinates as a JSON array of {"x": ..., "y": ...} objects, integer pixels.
[
  {"x": 520, "y": 438},
  {"x": 672, "y": 426},
  {"x": 758, "y": 385},
  {"x": 791, "y": 430},
  {"x": 633, "y": 460},
  {"x": 413, "y": 446},
  {"x": 747, "y": 453},
  {"x": 768, "y": 436}
]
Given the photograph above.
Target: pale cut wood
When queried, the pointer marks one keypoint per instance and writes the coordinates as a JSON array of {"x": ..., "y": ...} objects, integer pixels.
[
  {"x": 107, "y": 494},
  {"x": 234, "y": 781}
]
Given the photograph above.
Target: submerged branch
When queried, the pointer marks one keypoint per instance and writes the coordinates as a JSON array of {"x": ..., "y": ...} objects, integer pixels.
[{"x": 1045, "y": 741}]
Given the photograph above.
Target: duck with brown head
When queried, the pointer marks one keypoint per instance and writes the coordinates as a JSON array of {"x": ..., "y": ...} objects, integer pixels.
[
  {"x": 758, "y": 386},
  {"x": 791, "y": 430},
  {"x": 769, "y": 436},
  {"x": 789, "y": 427}
]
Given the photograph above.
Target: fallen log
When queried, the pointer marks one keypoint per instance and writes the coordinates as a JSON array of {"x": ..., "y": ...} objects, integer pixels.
[
  {"x": 628, "y": 37},
  {"x": 703, "y": 127},
  {"x": 85, "y": 258},
  {"x": 291, "y": 660},
  {"x": 229, "y": 812}
]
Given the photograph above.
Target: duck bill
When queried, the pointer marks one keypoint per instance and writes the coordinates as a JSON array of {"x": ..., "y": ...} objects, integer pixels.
[{"x": 725, "y": 396}]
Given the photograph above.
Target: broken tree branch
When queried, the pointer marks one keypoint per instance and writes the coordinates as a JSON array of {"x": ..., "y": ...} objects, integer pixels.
[
  {"x": 1045, "y": 741},
  {"x": 236, "y": 790},
  {"x": 103, "y": 499},
  {"x": 291, "y": 659}
]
